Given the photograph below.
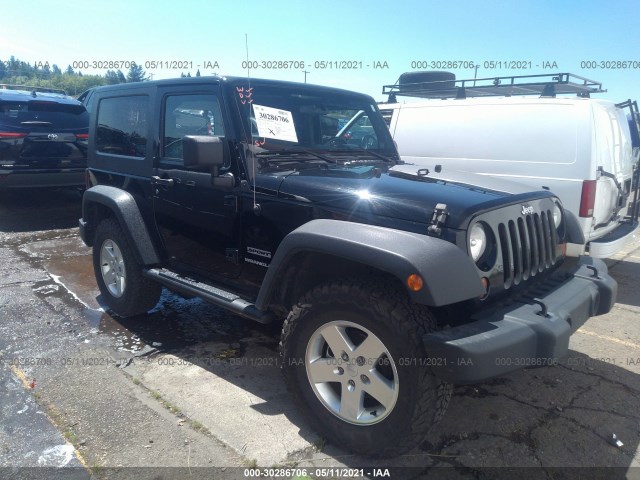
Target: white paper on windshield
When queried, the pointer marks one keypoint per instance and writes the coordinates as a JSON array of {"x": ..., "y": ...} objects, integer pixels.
[{"x": 275, "y": 123}]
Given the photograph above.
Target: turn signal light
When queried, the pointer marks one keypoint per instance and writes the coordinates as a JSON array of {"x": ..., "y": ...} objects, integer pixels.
[{"x": 415, "y": 282}]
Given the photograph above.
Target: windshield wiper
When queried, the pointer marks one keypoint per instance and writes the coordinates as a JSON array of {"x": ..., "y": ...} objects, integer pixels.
[
  {"x": 364, "y": 150},
  {"x": 297, "y": 151}
]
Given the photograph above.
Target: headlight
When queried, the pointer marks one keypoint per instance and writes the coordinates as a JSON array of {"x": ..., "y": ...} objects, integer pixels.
[
  {"x": 477, "y": 241},
  {"x": 557, "y": 215}
]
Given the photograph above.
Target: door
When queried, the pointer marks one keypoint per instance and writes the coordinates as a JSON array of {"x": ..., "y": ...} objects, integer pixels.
[{"x": 197, "y": 222}]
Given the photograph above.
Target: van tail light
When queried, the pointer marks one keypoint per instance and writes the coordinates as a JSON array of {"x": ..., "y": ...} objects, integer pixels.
[
  {"x": 82, "y": 136},
  {"x": 588, "y": 198},
  {"x": 87, "y": 179}
]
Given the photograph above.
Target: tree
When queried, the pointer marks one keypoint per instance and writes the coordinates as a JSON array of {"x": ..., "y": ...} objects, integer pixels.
[
  {"x": 55, "y": 69},
  {"x": 121, "y": 77},
  {"x": 13, "y": 65},
  {"x": 3, "y": 70},
  {"x": 111, "y": 77},
  {"x": 198, "y": 73},
  {"x": 136, "y": 74},
  {"x": 69, "y": 70}
]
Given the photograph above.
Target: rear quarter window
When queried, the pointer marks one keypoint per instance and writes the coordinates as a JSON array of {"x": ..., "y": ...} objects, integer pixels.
[{"x": 123, "y": 126}]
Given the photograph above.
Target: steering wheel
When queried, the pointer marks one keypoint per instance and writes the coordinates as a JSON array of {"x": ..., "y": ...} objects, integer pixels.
[
  {"x": 368, "y": 141},
  {"x": 337, "y": 142}
]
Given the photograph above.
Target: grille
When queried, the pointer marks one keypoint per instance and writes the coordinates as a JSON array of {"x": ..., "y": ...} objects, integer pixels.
[{"x": 528, "y": 246}]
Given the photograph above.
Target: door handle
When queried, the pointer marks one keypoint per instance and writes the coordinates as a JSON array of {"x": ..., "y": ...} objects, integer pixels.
[{"x": 165, "y": 182}]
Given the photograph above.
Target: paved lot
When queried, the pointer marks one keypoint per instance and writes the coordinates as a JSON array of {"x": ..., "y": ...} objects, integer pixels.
[{"x": 190, "y": 386}]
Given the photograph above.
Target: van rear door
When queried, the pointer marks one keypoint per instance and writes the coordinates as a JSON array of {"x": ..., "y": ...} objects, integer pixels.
[{"x": 613, "y": 157}]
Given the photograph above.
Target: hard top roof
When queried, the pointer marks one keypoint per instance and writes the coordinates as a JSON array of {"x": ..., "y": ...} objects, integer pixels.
[{"x": 232, "y": 80}]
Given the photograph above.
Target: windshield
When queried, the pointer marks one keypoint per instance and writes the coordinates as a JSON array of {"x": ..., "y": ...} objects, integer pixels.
[{"x": 283, "y": 118}]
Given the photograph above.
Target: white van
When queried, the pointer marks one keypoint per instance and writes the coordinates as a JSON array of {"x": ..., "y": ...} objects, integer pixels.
[{"x": 579, "y": 148}]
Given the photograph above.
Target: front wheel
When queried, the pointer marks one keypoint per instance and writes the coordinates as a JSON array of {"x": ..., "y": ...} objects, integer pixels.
[
  {"x": 123, "y": 287},
  {"x": 352, "y": 355}
]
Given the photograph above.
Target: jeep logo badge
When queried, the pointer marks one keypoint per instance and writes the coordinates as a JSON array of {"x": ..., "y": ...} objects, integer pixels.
[
  {"x": 52, "y": 136},
  {"x": 527, "y": 209}
]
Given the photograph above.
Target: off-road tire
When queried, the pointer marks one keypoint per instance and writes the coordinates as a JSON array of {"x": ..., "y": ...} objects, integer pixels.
[
  {"x": 140, "y": 294},
  {"x": 387, "y": 312}
]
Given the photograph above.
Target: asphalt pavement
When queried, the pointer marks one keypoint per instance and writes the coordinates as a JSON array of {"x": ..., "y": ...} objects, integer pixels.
[{"x": 191, "y": 391}]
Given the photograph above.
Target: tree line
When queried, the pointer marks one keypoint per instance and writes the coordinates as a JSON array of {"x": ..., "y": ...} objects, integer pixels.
[{"x": 18, "y": 72}]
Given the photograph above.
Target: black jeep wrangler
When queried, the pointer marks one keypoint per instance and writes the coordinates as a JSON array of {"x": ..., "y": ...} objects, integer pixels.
[{"x": 283, "y": 201}]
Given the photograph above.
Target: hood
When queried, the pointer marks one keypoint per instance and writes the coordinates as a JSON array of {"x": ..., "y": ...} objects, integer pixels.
[
  {"x": 475, "y": 180},
  {"x": 368, "y": 194}
]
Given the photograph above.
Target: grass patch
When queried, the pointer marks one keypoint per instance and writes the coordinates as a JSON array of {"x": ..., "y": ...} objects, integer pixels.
[
  {"x": 71, "y": 437},
  {"x": 168, "y": 405},
  {"x": 251, "y": 463},
  {"x": 198, "y": 427},
  {"x": 320, "y": 444}
]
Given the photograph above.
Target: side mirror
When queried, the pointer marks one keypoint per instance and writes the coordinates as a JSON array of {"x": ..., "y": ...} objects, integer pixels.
[{"x": 203, "y": 151}]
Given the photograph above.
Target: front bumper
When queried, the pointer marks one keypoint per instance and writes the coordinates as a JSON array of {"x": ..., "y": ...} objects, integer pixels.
[{"x": 520, "y": 335}]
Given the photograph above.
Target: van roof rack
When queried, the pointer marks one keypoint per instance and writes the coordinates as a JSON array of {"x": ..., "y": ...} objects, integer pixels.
[
  {"x": 547, "y": 85},
  {"x": 31, "y": 88}
]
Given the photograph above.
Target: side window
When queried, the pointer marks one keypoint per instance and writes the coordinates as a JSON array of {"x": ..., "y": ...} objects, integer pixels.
[
  {"x": 189, "y": 115},
  {"x": 88, "y": 101},
  {"x": 122, "y": 126}
]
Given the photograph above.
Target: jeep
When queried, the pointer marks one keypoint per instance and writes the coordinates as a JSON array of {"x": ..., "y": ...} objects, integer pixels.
[{"x": 391, "y": 282}]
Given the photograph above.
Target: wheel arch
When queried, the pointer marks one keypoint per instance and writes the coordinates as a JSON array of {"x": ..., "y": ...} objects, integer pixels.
[
  {"x": 323, "y": 248},
  {"x": 102, "y": 201}
]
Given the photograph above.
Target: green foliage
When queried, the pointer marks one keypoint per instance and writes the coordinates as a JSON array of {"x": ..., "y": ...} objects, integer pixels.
[
  {"x": 16, "y": 72},
  {"x": 136, "y": 74}
]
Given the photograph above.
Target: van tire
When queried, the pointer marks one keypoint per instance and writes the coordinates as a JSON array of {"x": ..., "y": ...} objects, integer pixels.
[{"x": 407, "y": 80}]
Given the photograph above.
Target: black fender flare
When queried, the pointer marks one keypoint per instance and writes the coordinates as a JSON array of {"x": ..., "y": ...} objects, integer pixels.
[
  {"x": 125, "y": 209},
  {"x": 449, "y": 274}
]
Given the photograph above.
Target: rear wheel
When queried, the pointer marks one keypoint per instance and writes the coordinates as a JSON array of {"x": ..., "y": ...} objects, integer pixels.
[
  {"x": 123, "y": 287},
  {"x": 353, "y": 356}
]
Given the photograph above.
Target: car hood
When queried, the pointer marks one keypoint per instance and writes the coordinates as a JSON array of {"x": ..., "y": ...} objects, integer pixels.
[
  {"x": 404, "y": 192},
  {"x": 469, "y": 179}
]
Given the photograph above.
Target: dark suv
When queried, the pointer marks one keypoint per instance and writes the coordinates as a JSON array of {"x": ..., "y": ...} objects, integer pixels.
[
  {"x": 43, "y": 138},
  {"x": 393, "y": 282}
]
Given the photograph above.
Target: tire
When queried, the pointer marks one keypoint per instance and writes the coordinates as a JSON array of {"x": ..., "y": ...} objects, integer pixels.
[
  {"x": 409, "y": 399},
  {"x": 125, "y": 291},
  {"x": 408, "y": 81}
]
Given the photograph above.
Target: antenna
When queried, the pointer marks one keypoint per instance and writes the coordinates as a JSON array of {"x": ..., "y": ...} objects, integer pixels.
[{"x": 253, "y": 162}]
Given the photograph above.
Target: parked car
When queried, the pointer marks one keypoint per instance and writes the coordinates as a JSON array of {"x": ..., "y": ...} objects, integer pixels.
[
  {"x": 43, "y": 138},
  {"x": 391, "y": 282},
  {"x": 579, "y": 148}
]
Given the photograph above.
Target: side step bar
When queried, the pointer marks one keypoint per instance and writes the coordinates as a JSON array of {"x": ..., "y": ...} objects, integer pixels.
[{"x": 221, "y": 298}]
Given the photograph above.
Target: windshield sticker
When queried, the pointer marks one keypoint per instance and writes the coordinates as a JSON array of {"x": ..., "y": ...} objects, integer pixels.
[{"x": 275, "y": 123}]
